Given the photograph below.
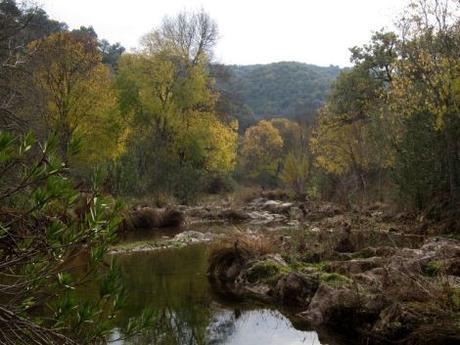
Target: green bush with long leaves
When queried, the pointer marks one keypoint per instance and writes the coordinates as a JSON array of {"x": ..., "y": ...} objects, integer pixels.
[{"x": 53, "y": 244}]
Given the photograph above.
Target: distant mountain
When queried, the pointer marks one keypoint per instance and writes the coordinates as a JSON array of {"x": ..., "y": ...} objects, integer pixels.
[{"x": 287, "y": 89}]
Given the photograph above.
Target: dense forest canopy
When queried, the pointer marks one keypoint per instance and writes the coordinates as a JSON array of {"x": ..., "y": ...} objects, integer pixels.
[{"x": 284, "y": 89}]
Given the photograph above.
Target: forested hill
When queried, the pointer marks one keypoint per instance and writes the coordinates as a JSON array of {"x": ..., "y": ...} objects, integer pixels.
[{"x": 288, "y": 89}]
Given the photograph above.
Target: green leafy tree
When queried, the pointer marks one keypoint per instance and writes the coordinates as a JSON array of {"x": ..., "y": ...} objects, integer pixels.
[{"x": 176, "y": 140}]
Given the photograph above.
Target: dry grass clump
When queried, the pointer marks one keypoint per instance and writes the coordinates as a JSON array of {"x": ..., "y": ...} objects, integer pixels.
[
  {"x": 421, "y": 310},
  {"x": 228, "y": 256},
  {"x": 317, "y": 244},
  {"x": 157, "y": 200},
  {"x": 149, "y": 218},
  {"x": 244, "y": 195},
  {"x": 253, "y": 245}
]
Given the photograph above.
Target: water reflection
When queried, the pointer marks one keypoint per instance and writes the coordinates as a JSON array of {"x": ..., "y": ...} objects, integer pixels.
[
  {"x": 174, "y": 283},
  {"x": 257, "y": 327}
]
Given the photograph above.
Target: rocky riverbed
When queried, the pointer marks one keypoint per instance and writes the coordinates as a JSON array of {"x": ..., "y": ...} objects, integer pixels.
[{"x": 374, "y": 274}]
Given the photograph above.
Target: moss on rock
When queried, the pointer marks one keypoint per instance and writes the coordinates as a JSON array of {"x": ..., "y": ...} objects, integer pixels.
[
  {"x": 335, "y": 280},
  {"x": 266, "y": 271}
]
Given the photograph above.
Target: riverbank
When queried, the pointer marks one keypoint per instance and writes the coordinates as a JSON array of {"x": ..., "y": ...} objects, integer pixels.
[{"x": 372, "y": 274}]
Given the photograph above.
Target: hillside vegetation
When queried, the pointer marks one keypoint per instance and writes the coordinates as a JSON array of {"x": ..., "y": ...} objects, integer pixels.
[{"x": 288, "y": 89}]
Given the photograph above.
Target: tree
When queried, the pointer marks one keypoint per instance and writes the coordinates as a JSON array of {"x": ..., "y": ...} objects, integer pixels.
[
  {"x": 18, "y": 26},
  {"x": 395, "y": 113},
  {"x": 291, "y": 133},
  {"x": 190, "y": 36},
  {"x": 53, "y": 239},
  {"x": 352, "y": 138},
  {"x": 70, "y": 80},
  {"x": 261, "y": 152},
  {"x": 344, "y": 140},
  {"x": 296, "y": 174},
  {"x": 427, "y": 83},
  {"x": 111, "y": 53},
  {"x": 165, "y": 94}
]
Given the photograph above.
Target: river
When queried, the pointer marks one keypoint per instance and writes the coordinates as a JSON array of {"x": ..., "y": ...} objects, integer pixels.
[{"x": 173, "y": 282}]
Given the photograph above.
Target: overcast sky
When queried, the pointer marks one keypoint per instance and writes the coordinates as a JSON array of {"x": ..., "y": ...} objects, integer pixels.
[{"x": 251, "y": 31}]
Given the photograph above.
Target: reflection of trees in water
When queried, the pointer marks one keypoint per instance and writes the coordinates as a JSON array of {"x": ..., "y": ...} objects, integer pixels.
[
  {"x": 222, "y": 326},
  {"x": 174, "y": 284},
  {"x": 177, "y": 327}
]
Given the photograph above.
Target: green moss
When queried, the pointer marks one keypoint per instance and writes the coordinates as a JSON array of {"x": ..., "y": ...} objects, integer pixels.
[
  {"x": 432, "y": 268},
  {"x": 320, "y": 266},
  {"x": 335, "y": 279},
  {"x": 266, "y": 271}
]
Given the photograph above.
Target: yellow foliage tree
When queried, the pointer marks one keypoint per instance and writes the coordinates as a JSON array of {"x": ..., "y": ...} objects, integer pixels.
[
  {"x": 295, "y": 173},
  {"x": 261, "y": 151},
  {"x": 78, "y": 96}
]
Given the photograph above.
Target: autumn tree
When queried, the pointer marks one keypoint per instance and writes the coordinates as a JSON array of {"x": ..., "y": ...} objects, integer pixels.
[
  {"x": 261, "y": 152},
  {"x": 426, "y": 96},
  {"x": 50, "y": 245},
  {"x": 75, "y": 89},
  {"x": 165, "y": 95},
  {"x": 351, "y": 138},
  {"x": 296, "y": 174},
  {"x": 19, "y": 25},
  {"x": 395, "y": 113}
]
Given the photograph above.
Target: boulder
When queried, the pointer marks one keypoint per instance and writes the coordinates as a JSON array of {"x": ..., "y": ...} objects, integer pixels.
[
  {"x": 296, "y": 289},
  {"x": 274, "y": 206},
  {"x": 326, "y": 303},
  {"x": 234, "y": 215}
]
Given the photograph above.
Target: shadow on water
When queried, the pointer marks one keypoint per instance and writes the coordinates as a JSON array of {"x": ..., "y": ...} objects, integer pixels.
[{"x": 174, "y": 283}]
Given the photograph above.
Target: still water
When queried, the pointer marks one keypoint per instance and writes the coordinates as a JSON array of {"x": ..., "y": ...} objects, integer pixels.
[{"x": 173, "y": 282}]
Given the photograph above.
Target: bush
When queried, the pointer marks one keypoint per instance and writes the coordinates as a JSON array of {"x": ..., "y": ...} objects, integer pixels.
[{"x": 45, "y": 224}]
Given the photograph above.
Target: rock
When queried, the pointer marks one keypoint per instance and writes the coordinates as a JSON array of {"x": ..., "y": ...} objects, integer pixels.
[
  {"x": 344, "y": 246},
  {"x": 355, "y": 266},
  {"x": 275, "y": 206},
  {"x": 326, "y": 302},
  {"x": 392, "y": 320},
  {"x": 442, "y": 248},
  {"x": 277, "y": 258},
  {"x": 295, "y": 213},
  {"x": 225, "y": 265},
  {"x": 234, "y": 215},
  {"x": 257, "y": 203},
  {"x": 296, "y": 289},
  {"x": 264, "y": 217},
  {"x": 193, "y": 237},
  {"x": 263, "y": 270},
  {"x": 260, "y": 292},
  {"x": 452, "y": 267}
]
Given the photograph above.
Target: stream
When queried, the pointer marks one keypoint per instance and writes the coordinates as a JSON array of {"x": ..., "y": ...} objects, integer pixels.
[{"x": 173, "y": 282}]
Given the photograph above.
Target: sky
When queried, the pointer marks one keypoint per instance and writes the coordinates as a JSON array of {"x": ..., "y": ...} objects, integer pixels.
[{"x": 251, "y": 31}]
